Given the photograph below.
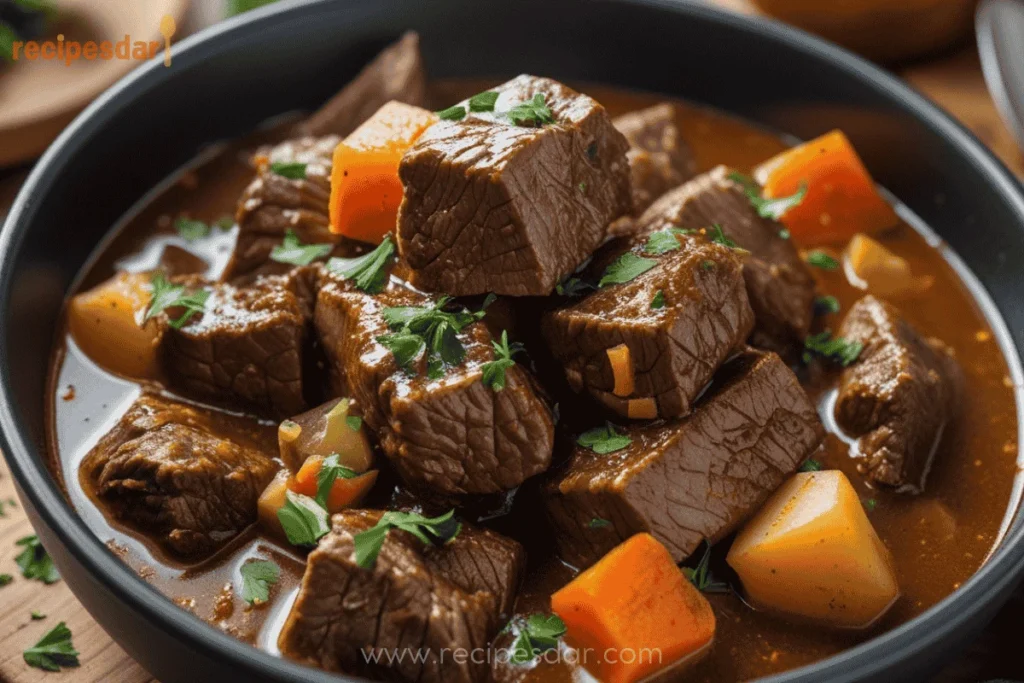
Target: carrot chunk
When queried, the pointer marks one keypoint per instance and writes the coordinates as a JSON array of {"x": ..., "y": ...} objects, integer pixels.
[
  {"x": 622, "y": 369},
  {"x": 841, "y": 198},
  {"x": 365, "y": 189},
  {"x": 636, "y": 611},
  {"x": 344, "y": 492}
]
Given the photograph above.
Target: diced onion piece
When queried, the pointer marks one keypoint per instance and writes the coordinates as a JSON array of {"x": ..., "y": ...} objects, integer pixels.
[
  {"x": 622, "y": 369},
  {"x": 874, "y": 267},
  {"x": 812, "y": 553}
]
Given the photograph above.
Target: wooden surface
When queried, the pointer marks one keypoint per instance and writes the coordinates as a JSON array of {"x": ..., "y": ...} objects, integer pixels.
[{"x": 954, "y": 81}]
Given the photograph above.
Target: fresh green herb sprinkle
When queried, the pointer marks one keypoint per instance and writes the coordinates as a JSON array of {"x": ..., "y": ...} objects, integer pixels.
[
  {"x": 784, "y": 234},
  {"x": 257, "y": 578},
  {"x": 659, "y": 300},
  {"x": 54, "y": 651},
  {"x": 700, "y": 576},
  {"x": 836, "y": 349},
  {"x": 35, "y": 562},
  {"x": 625, "y": 268},
  {"x": 598, "y": 523},
  {"x": 354, "y": 422},
  {"x": 292, "y": 171},
  {"x": 454, "y": 113},
  {"x": 292, "y": 251},
  {"x": 603, "y": 440},
  {"x": 664, "y": 241},
  {"x": 820, "y": 259},
  {"x": 369, "y": 271},
  {"x": 331, "y": 470},
  {"x": 773, "y": 208},
  {"x": 430, "y": 530},
  {"x": 191, "y": 230},
  {"x": 538, "y": 633},
  {"x": 37, "y": 615},
  {"x": 532, "y": 113},
  {"x": 483, "y": 101},
  {"x": 717, "y": 235},
  {"x": 166, "y": 295},
  {"x": 870, "y": 504},
  {"x": 304, "y": 520},
  {"x": 826, "y": 304},
  {"x": 573, "y": 286},
  {"x": 432, "y": 328},
  {"x": 810, "y": 465},
  {"x": 494, "y": 371},
  {"x": 5, "y": 579}
]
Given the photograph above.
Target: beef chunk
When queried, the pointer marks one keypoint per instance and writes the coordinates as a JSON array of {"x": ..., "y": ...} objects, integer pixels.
[
  {"x": 491, "y": 206},
  {"x": 779, "y": 284},
  {"x": 693, "y": 479},
  {"x": 482, "y": 560},
  {"x": 658, "y": 157},
  {"x": 452, "y": 435},
  {"x": 407, "y": 601},
  {"x": 188, "y": 477},
  {"x": 397, "y": 73},
  {"x": 245, "y": 351},
  {"x": 673, "y": 350},
  {"x": 273, "y": 204},
  {"x": 899, "y": 397}
]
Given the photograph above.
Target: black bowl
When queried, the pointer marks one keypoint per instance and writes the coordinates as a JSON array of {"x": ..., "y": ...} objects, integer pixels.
[{"x": 291, "y": 56}]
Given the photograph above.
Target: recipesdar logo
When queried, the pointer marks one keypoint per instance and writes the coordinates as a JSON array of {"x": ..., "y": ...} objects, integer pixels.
[{"x": 70, "y": 51}]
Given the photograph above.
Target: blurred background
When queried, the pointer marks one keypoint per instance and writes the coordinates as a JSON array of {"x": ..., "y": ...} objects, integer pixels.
[{"x": 966, "y": 55}]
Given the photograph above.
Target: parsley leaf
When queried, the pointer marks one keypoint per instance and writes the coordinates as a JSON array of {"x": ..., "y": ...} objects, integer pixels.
[
  {"x": 535, "y": 112},
  {"x": 773, "y": 208},
  {"x": 625, "y": 268},
  {"x": 304, "y": 521},
  {"x": 454, "y": 113},
  {"x": 257, "y": 577},
  {"x": 598, "y": 523},
  {"x": 166, "y": 295},
  {"x": 294, "y": 171},
  {"x": 572, "y": 286},
  {"x": 430, "y": 530},
  {"x": 664, "y": 241},
  {"x": 537, "y": 634},
  {"x": 826, "y": 304},
  {"x": 718, "y": 236},
  {"x": 354, "y": 422},
  {"x": 191, "y": 230},
  {"x": 34, "y": 561},
  {"x": 483, "y": 101},
  {"x": 870, "y": 504},
  {"x": 836, "y": 349},
  {"x": 294, "y": 252},
  {"x": 405, "y": 347},
  {"x": 820, "y": 259},
  {"x": 659, "y": 300},
  {"x": 330, "y": 470},
  {"x": 5, "y": 579},
  {"x": 37, "y": 615},
  {"x": 494, "y": 371},
  {"x": 604, "y": 439},
  {"x": 810, "y": 465},
  {"x": 428, "y": 327},
  {"x": 701, "y": 577},
  {"x": 53, "y": 651},
  {"x": 367, "y": 271}
]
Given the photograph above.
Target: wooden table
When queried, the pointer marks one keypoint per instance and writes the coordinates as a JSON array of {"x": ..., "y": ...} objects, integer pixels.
[{"x": 954, "y": 81}]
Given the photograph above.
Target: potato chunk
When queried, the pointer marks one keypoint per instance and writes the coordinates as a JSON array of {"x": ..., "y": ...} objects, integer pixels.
[
  {"x": 811, "y": 552},
  {"x": 104, "y": 322},
  {"x": 326, "y": 429}
]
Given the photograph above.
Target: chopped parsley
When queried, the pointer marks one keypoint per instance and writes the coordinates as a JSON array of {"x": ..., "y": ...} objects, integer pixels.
[
  {"x": 433, "y": 328},
  {"x": 664, "y": 241},
  {"x": 166, "y": 295},
  {"x": 870, "y": 504},
  {"x": 37, "y": 615},
  {"x": 598, "y": 523},
  {"x": 430, "y": 530},
  {"x": 810, "y": 465},
  {"x": 454, "y": 113},
  {"x": 291, "y": 170},
  {"x": 303, "y": 519},
  {"x": 191, "y": 230},
  {"x": 294, "y": 252},
  {"x": 53, "y": 651},
  {"x": 572, "y": 286},
  {"x": 368, "y": 271},
  {"x": 707, "y": 264},
  {"x": 625, "y": 268},
  {"x": 354, "y": 422},
  {"x": 494, "y": 371},
  {"x": 331, "y": 470},
  {"x": 659, "y": 300},
  {"x": 603, "y": 440},
  {"x": 836, "y": 349},
  {"x": 582, "y": 186},
  {"x": 34, "y": 561},
  {"x": 820, "y": 259},
  {"x": 538, "y": 633},
  {"x": 700, "y": 576},
  {"x": 483, "y": 101},
  {"x": 535, "y": 112},
  {"x": 768, "y": 208},
  {"x": 826, "y": 304},
  {"x": 5, "y": 579},
  {"x": 784, "y": 234},
  {"x": 718, "y": 236},
  {"x": 257, "y": 578}
]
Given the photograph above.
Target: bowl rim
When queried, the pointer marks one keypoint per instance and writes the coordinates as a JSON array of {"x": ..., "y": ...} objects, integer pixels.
[{"x": 28, "y": 463}]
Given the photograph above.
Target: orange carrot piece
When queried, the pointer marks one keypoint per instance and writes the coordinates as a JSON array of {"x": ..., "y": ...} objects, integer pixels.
[
  {"x": 365, "y": 188},
  {"x": 841, "y": 198},
  {"x": 622, "y": 369},
  {"x": 636, "y": 611},
  {"x": 306, "y": 478},
  {"x": 641, "y": 409},
  {"x": 882, "y": 271},
  {"x": 344, "y": 492}
]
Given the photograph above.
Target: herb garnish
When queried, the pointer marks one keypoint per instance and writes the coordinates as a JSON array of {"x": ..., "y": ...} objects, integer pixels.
[
  {"x": 5, "y": 579},
  {"x": 625, "y": 268},
  {"x": 664, "y": 241},
  {"x": 303, "y": 519},
  {"x": 820, "y": 259},
  {"x": 836, "y": 349},
  {"x": 483, "y": 101},
  {"x": 572, "y": 286},
  {"x": 718, "y": 236},
  {"x": 826, "y": 304},
  {"x": 34, "y": 561},
  {"x": 870, "y": 504},
  {"x": 294, "y": 252},
  {"x": 659, "y": 300},
  {"x": 367, "y": 271},
  {"x": 454, "y": 113},
  {"x": 534, "y": 112},
  {"x": 598, "y": 523},
  {"x": 53, "y": 651},
  {"x": 701, "y": 577},
  {"x": 354, "y": 422},
  {"x": 538, "y": 633},
  {"x": 433, "y": 328},
  {"x": 784, "y": 234},
  {"x": 331, "y": 470},
  {"x": 257, "y": 577},
  {"x": 166, "y": 295},
  {"x": 707, "y": 265},
  {"x": 430, "y": 530},
  {"x": 768, "y": 208},
  {"x": 37, "y": 615},
  {"x": 291, "y": 170},
  {"x": 810, "y": 465},
  {"x": 191, "y": 230},
  {"x": 494, "y": 371},
  {"x": 604, "y": 439}
]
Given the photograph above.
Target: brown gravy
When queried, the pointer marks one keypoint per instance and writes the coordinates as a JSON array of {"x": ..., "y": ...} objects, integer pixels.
[{"x": 938, "y": 539}]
